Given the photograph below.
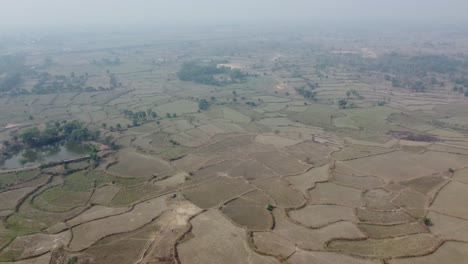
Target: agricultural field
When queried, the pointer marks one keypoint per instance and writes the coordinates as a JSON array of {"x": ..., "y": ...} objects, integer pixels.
[{"x": 236, "y": 148}]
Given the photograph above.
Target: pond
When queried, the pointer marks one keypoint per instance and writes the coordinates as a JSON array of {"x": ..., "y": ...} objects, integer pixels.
[{"x": 51, "y": 153}]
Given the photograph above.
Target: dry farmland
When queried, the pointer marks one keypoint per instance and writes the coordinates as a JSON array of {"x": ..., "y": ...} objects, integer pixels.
[{"x": 300, "y": 153}]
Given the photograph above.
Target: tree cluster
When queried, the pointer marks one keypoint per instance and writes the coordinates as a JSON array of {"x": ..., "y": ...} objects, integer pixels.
[
  {"x": 306, "y": 93},
  {"x": 140, "y": 116},
  {"x": 56, "y": 132},
  {"x": 206, "y": 72},
  {"x": 203, "y": 104}
]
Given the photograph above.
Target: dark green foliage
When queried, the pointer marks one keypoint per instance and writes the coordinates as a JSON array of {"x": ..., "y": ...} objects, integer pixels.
[
  {"x": 55, "y": 132},
  {"x": 204, "y": 73},
  {"x": 343, "y": 103},
  {"x": 416, "y": 65},
  {"x": 427, "y": 221},
  {"x": 48, "y": 83},
  {"x": 270, "y": 207},
  {"x": 418, "y": 73},
  {"x": 72, "y": 260},
  {"x": 94, "y": 156},
  {"x": 203, "y": 104},
  {"x": 30, "y": 136},
  {"x": 307, "y": 93},
  {"x": 139, "y": 117}
]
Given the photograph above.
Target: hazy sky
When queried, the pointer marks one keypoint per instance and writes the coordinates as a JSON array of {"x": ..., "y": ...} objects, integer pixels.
[{"x": 105, "y": 12}]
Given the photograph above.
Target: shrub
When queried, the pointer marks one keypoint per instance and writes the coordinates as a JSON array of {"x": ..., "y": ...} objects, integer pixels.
[
  {"x": 427, "y": 221},
  {"x": 270, "y": 207}
]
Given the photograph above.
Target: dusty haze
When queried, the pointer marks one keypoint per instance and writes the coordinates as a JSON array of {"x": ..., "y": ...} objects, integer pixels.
[{"x": 34, "y": 13}]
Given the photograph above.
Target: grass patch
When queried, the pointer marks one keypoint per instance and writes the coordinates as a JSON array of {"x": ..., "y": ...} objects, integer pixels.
[{"x": 12, "y": 178}]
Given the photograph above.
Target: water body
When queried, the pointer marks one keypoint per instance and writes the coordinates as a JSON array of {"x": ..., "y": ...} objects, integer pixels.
[{"x": 36, "y": 156}]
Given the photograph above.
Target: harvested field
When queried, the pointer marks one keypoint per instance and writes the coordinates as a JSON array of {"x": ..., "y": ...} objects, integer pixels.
[
  {"x": 127, "y": 196},
  {"x": 362, "y": 182},
  {"x": 34, "y": 245},
  {"x": 9, "y": 199},
  {"x": 310, "y": 153},
  {"x": 307, "y": 180},
  {"x": 96, "y": 212},
  {"x": 315, "y": 216},
  {"x": 279, "y": 142},
  {"x": 312, "y": 239},
  {"x": 383, "y": 217},
  {"x": 153, "y": 243},
  {"x": 379, "y": 199},
  {"x": 401, "y": 166},
  {"x": 44, "y": 259},
  {"x": 281, "y": 163},
  {"x": 413, "y": 245},
  {"x": 358, "y": 151},
  {"x": 322, "y": 147},
  {"x": 330, "y": 193},
  {"x": 448, "y": 227},
  {"x": 89, "y": 233},
  {"x": 133, "y": 164},
  {"x": 386, "y": 231},
  {"x": 282, "y": 194},
  {"x": 105, "y": 194},
  {"x": 250, "y": 210},
  {"x": 449, "y": 252},
  {"x": 251, "y": 170},
  {"x": 203, "y": 245},
  {"x": 216, "y": 192},
  {"x": 413, "y": 202},
  {"x": 426, "y": 185},
  {"x": 230, "y": 143},
  {"x": 179, "y": 108},
  {"x": 318, "y": 257},
  {"x": 269, "y": 243},
  {"x": 450, "y": 200}
]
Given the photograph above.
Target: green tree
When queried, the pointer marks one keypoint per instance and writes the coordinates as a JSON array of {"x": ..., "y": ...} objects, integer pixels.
[
  {"x": 342, "y": 103},
  {"x": 30, "y": 136},
  {"x": 203, "y": 104}
]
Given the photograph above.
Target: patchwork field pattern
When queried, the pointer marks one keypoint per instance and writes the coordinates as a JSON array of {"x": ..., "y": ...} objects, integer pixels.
[{"x": 260, "y": 175}]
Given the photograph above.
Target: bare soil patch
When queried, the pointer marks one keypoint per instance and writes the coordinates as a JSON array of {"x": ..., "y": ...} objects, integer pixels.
[
  {"x": 250, "y": 210},
  {"x": 315, "y": 216},
  {"x": 330, "y": 193},
  {"x": 320, "y": 257},
  {"x": 204, "y": 245},
  {"x": 89, "y": 233},
  {"x": 216, "y": 192},
  {"x": 414, "y": 245}
]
